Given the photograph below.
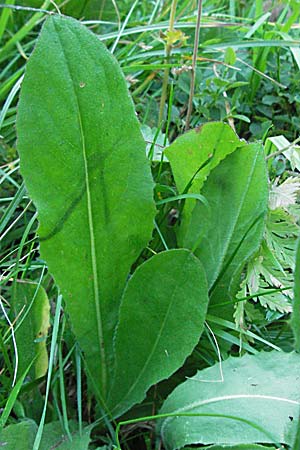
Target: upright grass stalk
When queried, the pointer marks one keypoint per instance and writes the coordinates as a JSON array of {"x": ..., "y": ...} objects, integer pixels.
[
  {"x": 194, "y": 63},
  {"x": 167, "y": 69}
]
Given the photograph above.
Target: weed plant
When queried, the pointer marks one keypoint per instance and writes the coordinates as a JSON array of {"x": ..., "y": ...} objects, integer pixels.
[{"x": 246, "y": 76}]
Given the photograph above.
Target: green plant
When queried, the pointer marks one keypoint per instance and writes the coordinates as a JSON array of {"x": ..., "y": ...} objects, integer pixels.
[
  {"x": 85, "y": 167},
  {"x": 253, "y": 314}
]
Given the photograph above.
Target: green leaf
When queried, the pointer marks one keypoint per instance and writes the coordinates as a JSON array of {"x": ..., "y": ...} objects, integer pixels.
[
  {"x": 230, "y": 56},
  {"x": 92, "y": 9},
  {"x": 87, "y": 9},
  {"x": 161, "y": 319},
  {"x": 295, "y": 322},
  {"x": 203, "y": 148},
  {"x": 54, "y": 437},
  {"x": 18, "y": 436},
  {"x": 261, "y": 391},
  {"x": 31, "y": 307},
  {"x": 84, "y": 163},
  {"x": 237, "y": 193}
]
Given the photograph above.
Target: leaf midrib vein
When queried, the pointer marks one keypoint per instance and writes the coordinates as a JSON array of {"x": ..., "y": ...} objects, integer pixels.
[
  {"x": 91, "y": 224},
  {"x": 155, "y": 343},
  {"x": 233, "y": 227},
  {"x": 223, "y": 398}
]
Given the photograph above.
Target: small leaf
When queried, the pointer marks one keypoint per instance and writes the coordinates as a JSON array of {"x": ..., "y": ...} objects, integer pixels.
[
  {"x": 31, "y": 307},
  {"x": 230, "y": 56},
  {"x": 261, "y": 391},
  {"x": 285, "y": 194},
  {"x": 175, "y": 37},
  {"x": 161, "y": 319}
]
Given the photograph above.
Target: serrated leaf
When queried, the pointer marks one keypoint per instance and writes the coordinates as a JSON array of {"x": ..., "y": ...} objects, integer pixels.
[
  {"x": 32, "y": 309},
  {"x": 237, "y": 194},
  {"x": 261, "y": 391},
  {"x": 84, "y": 163},
  {"x": 284, "y": 194},
  {"x": 161, "y": 319},
  {"x": 275, "y": 302}
]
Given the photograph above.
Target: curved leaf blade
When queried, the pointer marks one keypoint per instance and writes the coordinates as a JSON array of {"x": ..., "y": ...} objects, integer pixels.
[
  {"x": 161, "y": 319},
  {"x": 263, "y": 390},
  {"x": 84, "y": 163},
  {"x": 237, "y": 194},
  {"x": 193, "y": 155}
]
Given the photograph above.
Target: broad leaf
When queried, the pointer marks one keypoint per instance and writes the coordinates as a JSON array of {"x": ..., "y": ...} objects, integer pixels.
[
  {"x": 237, "y": 194},
  {"x": 203, "y": 147},
  {"x": 19, "y": 436},
  {"x": 84, "y": 163},
  {"x": 32, "y": 309},
  {"x": 260, "y": 397},
  {"x": 161, "y": 319},
  {"x": 296, "y": 307},
  {"x": 55, "y": 437}
]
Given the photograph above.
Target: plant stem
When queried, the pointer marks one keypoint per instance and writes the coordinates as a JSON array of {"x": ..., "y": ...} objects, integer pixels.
[
  {"x": 167, "y": 70},
  {"x": 194, "y": 63}
]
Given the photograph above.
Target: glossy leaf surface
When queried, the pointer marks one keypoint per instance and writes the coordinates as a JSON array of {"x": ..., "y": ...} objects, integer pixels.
[
  {"x": 260, "y": 396},
  {"x": 161, "y": 319},
  {"x": 84, "y": 163}
]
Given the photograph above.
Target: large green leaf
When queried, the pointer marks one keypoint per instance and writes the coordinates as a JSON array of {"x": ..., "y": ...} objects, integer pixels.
[
  {"x": 18, "y": 436},
  {"x": 32, "y": 309},
  {"x": 261, "y": 391},
  {"x": 161, "y": 319},
  {"x": 55, "y": 437},
  {"x": 202, "y": 148},
  {"x": 84, "y": 163},
  {"x": 237, "y": 194},
  {"x": 296, "y": 307}
]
